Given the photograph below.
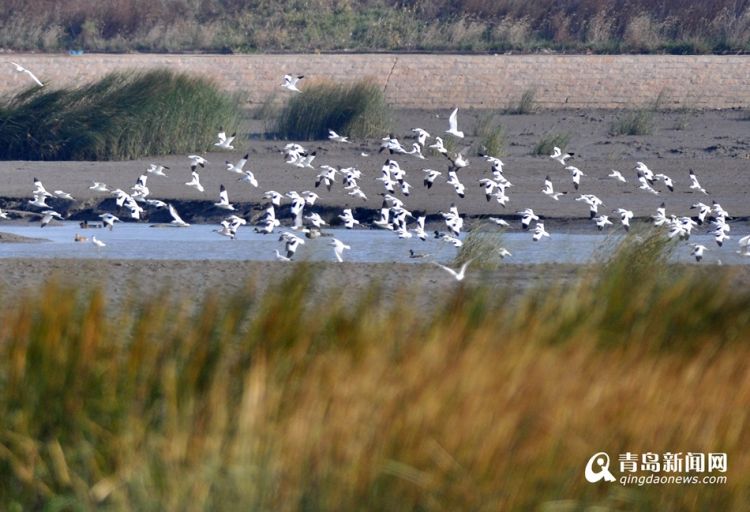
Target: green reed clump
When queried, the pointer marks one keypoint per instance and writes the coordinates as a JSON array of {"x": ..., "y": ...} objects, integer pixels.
[
  {"x": 356, "y": 109},
  {"x": 550, "y": 140},
  {"x": 122, "y": 116},
  {"x": 297, "y": 399},
  {"x": 491, "y": 138},
  {"x": 482, "y": 248},
  {"x": 636, "y": 122},
  {"x": 526, "y": 104}
]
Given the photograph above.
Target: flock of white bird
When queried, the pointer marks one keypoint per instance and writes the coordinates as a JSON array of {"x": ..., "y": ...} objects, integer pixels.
[{"x": 394, "y": 213}]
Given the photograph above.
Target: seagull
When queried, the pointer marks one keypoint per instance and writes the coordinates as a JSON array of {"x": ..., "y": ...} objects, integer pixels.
[
  {"x": 646, "y": 185},
  {"x": 309, "y": 197},
  {"x": 176, "y": 219},
  {"x": 617, "y": 175},
  {"x": 227, "y": 230},
  {"x": 249, "y": 177},
  {"x": 549, "y": 190},
  {"x": 327, "y": 176},
  {"x": 430, "y": 175},
  {"x": 3, "y": 215},
  {"x": 281, "y": 257},
  {"x": 195, "y": 182},
  {"x": 338, "y": 248},
  {"x": 224, "y": 141},
  {"x": 419, "y": 230},
  {"x": 643, "y": 169},
  {"x": 438, "y": 145},
  {"x": 39, "y": 189},
  {"x": 453, "y": 125},
  {"x": 703, "y": 211},
  {"x": 416, "y": 151},
  {"x": 196, "y": 160},
  {"x": 99, "y": 187},
  {"x": 458, "y": 276},
  {"x": 335, "y": 137},
  {"x": 97, "y": 243},
  {"x": 48, "y": 215},
  {"x": 503, "y": 253},
  {"x": 601, "y": 221},
  {"x": 744, "y": 244},
  {"x": 457, "y": 185},
  {"x": 576, "y": 174},
  {"x": 499, "y": 221},
  {"x": 625, "y": 216},
  {"x": 527, "y": 216},
  {"x": 667, "y": 181},
  {"x": 558, "y": 155},
  {"x": 348, "y": 218},
  {"x": 109, "y": 220},
  {"x": 157, "y": 170},
  {"x": 422, "y": 135},
  {"x": 40, "y": 201},
  {"x": 290, "y": 82},
  {"x": 539, "y": 231},
  {"x": 22, "y": 69},
  {"x": 63, "y": 195},
  {"x": 237, "y": 168},
  {"x": 274, "y": 196},
  {"x": 698, "y": 251},
  {"x": 316, "y": 220},
  {"x": 695, "y": 185},
  {"x": 224, "y": 199},
  {"x": 292, "y": 242}
]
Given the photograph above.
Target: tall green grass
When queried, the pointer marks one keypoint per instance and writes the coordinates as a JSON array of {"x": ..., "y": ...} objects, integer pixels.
[
  {"x": 293, "y": 401},
  {"x": 356, "y": 109},
  {"x": 122, "y": 116}
]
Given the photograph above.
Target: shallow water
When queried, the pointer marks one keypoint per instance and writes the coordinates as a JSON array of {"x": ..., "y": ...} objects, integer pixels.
[{"x": 200, "y": 242}]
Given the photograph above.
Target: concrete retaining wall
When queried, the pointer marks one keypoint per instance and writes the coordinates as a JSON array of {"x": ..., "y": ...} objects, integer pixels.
[{"x": 442, "y": 81}]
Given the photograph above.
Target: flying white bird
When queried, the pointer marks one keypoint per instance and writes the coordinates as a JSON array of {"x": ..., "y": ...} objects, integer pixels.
[
  {"x": 109, "y": 220},
  {"x": 348, "y": 219},
  {"x": 457, "y": 275},
  {"x": 539, "y": 232},
  {"x": 695, "y": 185},
  {"x": 453, "y": 125},
  {"x": 290, "y": 82},
  {"x": 48, "y": 215},
  {"x": 22, "y": 69},
  {"x": 576, "y": 174},
  {"x": 625, "y": 216},
  {"x": 196, "y": 160},
  {"x": 558, "y": 155},
  {"x": 549, "y": 190},
  {"x": 176, "y": 219},
  {"x": 225, "y": 142},
  {"x": 698, "y": 250},
  {"x": 195, "y": 182},
  {"x": 335, "y": 137},
  {"x": 237, "y": 167},
  {"x": 99, "y": 187},
  {"x": 224, "y": 199},
  {"x": 338, "y": 248},
  {"x": 274, "y": 196},
  {"x": 422, "y": 135},
  {"x": 157, "y": 170},
  {"x": 617, "y": 175}
]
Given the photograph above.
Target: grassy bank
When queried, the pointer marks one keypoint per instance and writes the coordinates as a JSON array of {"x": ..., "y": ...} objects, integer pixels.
[
  {"x": 120, "y": 117},
  {"x": 292, "y": 401},
  {"x": 356, "y": 109},
  {"x": 604, "y": 26}
]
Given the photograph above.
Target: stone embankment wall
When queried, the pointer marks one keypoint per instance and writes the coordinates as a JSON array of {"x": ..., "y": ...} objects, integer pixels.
[{"x": 442, "y": 81}]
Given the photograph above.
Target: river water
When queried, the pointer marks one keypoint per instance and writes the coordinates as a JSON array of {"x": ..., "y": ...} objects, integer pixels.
[{"x": 201, "y": 242}]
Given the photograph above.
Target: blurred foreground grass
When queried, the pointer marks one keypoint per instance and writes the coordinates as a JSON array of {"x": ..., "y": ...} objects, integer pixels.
[{"x": 292, "y": 401}]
